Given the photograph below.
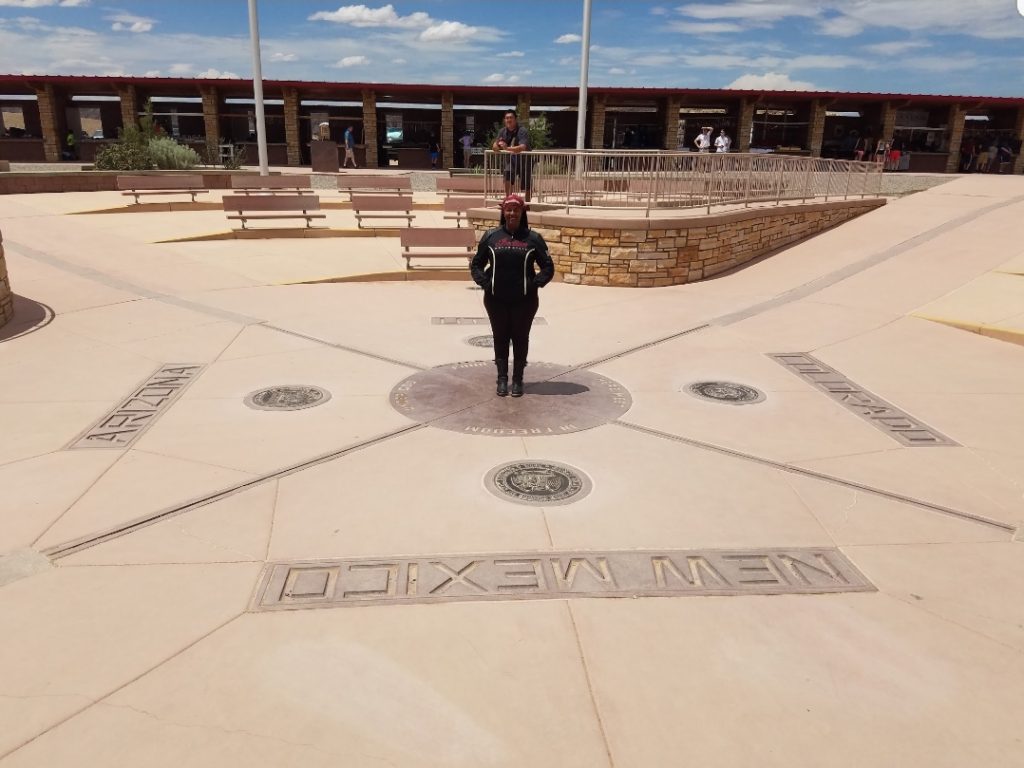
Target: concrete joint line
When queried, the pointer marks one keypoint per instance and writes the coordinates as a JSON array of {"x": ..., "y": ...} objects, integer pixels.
[
  {"x": 891, "y": 495},
  {"x": 344, "y": 348}
]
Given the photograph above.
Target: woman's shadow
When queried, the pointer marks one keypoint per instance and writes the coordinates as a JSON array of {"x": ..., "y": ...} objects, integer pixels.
[{"x": 562, "y": 388}]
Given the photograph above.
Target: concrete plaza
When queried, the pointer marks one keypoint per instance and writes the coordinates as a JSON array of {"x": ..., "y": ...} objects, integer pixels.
[{"x": 179, "y": 600}]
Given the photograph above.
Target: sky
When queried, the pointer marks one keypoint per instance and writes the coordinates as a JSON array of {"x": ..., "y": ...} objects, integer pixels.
[{"x": 962, "y": 47}]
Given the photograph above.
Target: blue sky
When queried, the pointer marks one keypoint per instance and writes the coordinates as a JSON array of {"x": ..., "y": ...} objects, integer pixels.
[{"x": 966, "y": 47}]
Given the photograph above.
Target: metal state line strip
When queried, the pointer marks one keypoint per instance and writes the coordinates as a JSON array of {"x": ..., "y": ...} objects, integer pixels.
[
  {"x": 76, "y": 545},
  {"x": 891, "y": 495}
]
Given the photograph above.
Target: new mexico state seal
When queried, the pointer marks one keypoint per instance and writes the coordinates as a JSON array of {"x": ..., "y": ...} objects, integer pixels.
[{"x": 538, "y": 483}]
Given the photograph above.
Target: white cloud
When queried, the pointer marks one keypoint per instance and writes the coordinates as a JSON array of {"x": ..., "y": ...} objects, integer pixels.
[
  {"x": 126, "y": 22},
  {"x": 570, "y": 38},
  {"x": 751, "y": 11},
  {"x": 840, "y": 26},
  {"x": 498, "y": 78},
  {"x": 705, "y": 27},
  {"x": 352, "y": 61},
  {"x": 362, "y": 16},
  {"x": 400, "y": 61},
  {"x": 659, "y": 11},
  {"x": 448, "y": 32},
  {"x": 216, "y": 74},
  {"x": 616, "y": 71},
  {"x": 283, "y": 57},
  {"x": 43, "y": 3},
  {"x": 896, "y": 47},
  {"x": 511, "y": 55},
  {"x": 770, "y": 81}
]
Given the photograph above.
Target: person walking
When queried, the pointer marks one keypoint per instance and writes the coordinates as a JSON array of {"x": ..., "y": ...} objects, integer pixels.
[
  {"x": 350, "y": 148},
  {"x": 514, "y": 139},
  {"x": 511, "y": 264},
  {"x": 467, "y": 148}
]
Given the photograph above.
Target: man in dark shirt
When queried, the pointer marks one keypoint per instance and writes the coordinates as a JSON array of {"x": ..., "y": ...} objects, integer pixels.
[{"x": 514, "y": 139}]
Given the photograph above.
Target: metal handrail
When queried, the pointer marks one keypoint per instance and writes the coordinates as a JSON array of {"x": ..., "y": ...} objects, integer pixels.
[{"x": 652, "y": 179}]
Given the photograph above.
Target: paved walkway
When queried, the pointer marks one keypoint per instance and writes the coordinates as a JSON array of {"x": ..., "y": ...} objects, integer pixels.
[{"x": 828, "y": 575}]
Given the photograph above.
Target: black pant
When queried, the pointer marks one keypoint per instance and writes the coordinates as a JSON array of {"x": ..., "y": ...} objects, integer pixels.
[{"x": 511, "y": 321}]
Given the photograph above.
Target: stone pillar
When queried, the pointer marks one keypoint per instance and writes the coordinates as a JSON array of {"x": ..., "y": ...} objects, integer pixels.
[
  {"x": 597, "y": 119},
  {"x": 51, "y": 120},
  {"x": 211, "y": 118},
  {"x": 6, "y": 300},
  {"x": 370, "y": 127},
  {"x": 448, "y": 130},
  {"x": 956, "y": 134},
  {"x": 670, "y": 120},
  {"x": 292, "y": 134},
  {"x": 1018, "y": 134},
  {"x": 816, "y": 129},
  {"x": 129, "y": 106},
  {"x": 888, "y": 124},
  {"x": 523, "y": 108},
  {"x": 745, "y": 125}
]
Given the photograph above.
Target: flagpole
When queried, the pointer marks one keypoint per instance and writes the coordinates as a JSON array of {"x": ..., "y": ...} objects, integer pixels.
[
  {"x": 257, "y": 88},
  {"x": 581, "y": 119}
]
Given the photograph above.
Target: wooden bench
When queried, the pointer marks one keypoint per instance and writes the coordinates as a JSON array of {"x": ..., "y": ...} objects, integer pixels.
[
  {"x": 426, "y": 243},
  {"x": 382, "y": 207},
  {"x": 273, "y": 185},
  {"x": 381, "y": 185},
  {"x": 456, "y": 207},
  {"x": 161, "y": 185},
  {"x": 273, "y": 207},
  {"x": 461, "y": 185}
]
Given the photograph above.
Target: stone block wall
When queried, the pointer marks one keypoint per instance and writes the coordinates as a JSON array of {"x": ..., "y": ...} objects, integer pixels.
[
  {"x": 6, "y": 300},
  {"x": 645, "y": 253}
]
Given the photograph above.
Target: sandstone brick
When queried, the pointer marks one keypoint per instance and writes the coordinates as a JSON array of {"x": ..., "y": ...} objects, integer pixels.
[
  {"x": 660, "y": 282},
  {"x": 622, "y": 279},
  {"x": 580, "y": 244},
  {"x": 571, "y": 232},
  {"x": 594, "y": 280},
  {"x": 607, "y": 241},
  {"x": 592, "y": 232},
  {"x": 638, "y": 265},
  {"x": 624, "y": 253},
  {"x": 572, "y": 279},
  {"x": 579, "y": 268},
  {"x": 632, "y": 236},
  {"x": 595, "y": 258},
  {"x": 558, "y": 249}
]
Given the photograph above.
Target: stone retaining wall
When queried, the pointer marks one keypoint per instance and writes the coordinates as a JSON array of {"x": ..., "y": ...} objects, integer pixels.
[
  {"x": 97, "y": 181},
  {"x": 642, "y": 253},
  {"x": 6, "y": 300}
]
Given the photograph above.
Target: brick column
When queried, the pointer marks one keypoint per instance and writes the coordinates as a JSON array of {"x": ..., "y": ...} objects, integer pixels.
[
  {"x": 211, "y": 118},
  {"x": 746, "y": 123},
  {"x": 1018, "y": 133},
  {"x": 597, "y": 119},
  {"x": 129, "y": 106},
  {"x": 51, "y": 120},
  {"x": 670, "y": 120},
  {"x": 370, "y": 127},
  {"x": 292, "y": 135},
  {"x": 816, "y": 129},
  {"x": 523, "y": 108},
  {"x": 956, "y": 134},
  {"x": 888, "y": 123},
  {"x": 447, "y": 129},
  {"x": 6, "y": 299}
]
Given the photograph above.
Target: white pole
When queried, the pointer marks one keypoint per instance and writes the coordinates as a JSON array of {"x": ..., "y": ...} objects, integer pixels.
[
  {"x": 257, "y": 88},
  {"x": 581, "y": 120}
]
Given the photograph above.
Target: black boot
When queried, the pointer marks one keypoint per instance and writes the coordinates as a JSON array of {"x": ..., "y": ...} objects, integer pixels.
[
  {"x": 517, "y": 378},
  {"x": 502, "y": 388}
]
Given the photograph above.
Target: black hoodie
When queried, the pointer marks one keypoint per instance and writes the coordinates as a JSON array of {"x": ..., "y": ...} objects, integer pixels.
[{"x": 505, "y": 264}]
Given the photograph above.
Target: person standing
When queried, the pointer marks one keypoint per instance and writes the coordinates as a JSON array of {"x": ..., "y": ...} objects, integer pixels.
[
  {"x": 506, "y": 266},
  {"x": 703, "y": 140},
  {"x": 435, "y": 152},
  {"x": 723, "y": 143},
  {"x": 467, "y": 148},
  {"x": 350, "y": 148},
  {"x": 514, "y": 139},
  {"x": 71, "y": 144}
]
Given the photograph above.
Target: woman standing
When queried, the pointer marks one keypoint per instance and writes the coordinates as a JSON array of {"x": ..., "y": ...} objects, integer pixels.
[{"x": 505, "y": 266}]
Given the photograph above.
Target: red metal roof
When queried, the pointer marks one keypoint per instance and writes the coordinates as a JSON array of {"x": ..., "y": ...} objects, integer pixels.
[{"x": 480, "y": 92}]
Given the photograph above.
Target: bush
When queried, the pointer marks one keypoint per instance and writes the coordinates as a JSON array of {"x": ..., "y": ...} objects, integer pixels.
[
  {"x": 169, "y": 155},
  {"x": 124, "y": 156}
]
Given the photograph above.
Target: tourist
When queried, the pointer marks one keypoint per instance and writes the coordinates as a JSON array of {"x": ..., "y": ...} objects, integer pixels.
[
  {"x": 435, "y": 152},
  {"x": 514, "y": 139},
  {"x": 467, "y": 148},
  {"x": 703, "y": 140},
  {"x": 70, "y": 143},
  {"x": 350, "y": 148},
  {"x": 723, "y": 143},
  {"x": 505, "y": 266}
]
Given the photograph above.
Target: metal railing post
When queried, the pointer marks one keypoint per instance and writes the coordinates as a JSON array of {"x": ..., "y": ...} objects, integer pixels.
[
  {"x": 750, "y": 173},
  {"x": 782, "y": 172},
  {"x": 849, "y": 178},
  {"x": 828, "y": 182}
]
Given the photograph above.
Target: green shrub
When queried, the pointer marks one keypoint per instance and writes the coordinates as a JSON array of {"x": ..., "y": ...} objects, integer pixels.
[
  {"x": 124, "y": 156},
  {"x": 169, "y": 155}
]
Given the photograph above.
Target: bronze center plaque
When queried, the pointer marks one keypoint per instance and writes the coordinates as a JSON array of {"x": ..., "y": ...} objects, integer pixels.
[{"x": 459, "y": 397}]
